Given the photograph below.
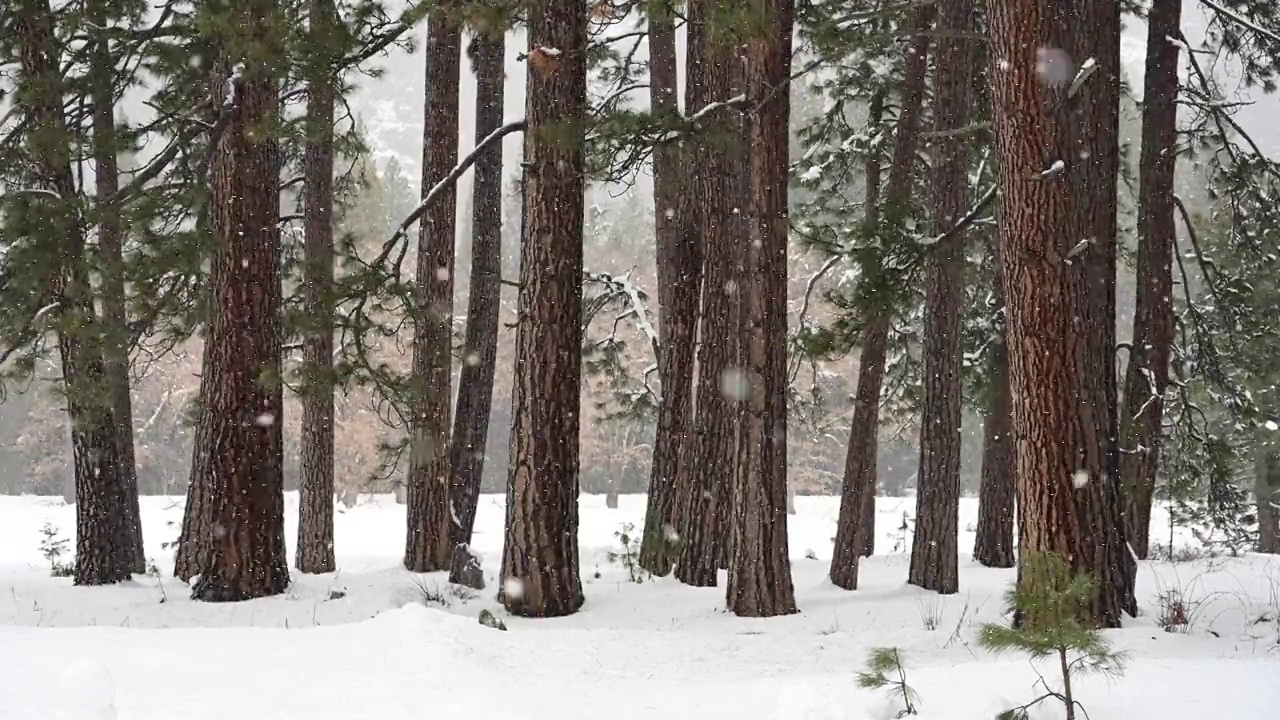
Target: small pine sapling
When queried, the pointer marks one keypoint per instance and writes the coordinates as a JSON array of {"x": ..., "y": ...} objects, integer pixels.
[
  {"x": 885, "y": 669},
  {"x": 1052, "y": 602},
  {"x": 629, "y": 556},
  {"x": 54, "y": 547}
]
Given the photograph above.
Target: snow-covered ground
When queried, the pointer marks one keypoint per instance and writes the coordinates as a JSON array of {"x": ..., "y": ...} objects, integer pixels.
[{"x": 360, "y": 643}]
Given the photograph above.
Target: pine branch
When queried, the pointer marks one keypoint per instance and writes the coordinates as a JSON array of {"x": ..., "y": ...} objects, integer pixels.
[{"x": 1241, "y": 20}]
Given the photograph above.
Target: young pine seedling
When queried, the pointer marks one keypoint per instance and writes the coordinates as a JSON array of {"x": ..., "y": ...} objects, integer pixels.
[
  {"x": 885, "y": 669},
  {"x": 1052, "y": 602}
]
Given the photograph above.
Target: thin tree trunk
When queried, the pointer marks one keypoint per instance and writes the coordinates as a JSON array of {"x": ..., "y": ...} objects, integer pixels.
[
  {"x": 540, "y": 556},
  {"x": 1147, "y": 374},
  {"x": 195, "y": 536},
  {"x": 315, "y": 497},
  {"x": 855, "y": 530},
  {"x": 427, "y": 546},
  {"x": 705, "y": 521},
  {"x": 110, "y": 248},
  {"x": 245, "y": 449},
  {"x": 994, "y": 544},
  {"x": 1093, "y": 168},
  {"x": 104, "y": 541},
  {"x": 475, "y": 385},
  {"x": 679, "y": 275},
  {"x": 1266, "y": 492},
  {"x": 934, "y": 556},
  {"x": 760, "y": 569}
]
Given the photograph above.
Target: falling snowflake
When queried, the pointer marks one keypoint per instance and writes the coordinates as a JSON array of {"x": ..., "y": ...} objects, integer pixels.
[
  {"x": 266, "y": 419},
  {"x": 669, "y": 532},
  {"x": 1080, "y": 478},
  {"x": 472, "y": 359},
  {"x": 734, "y": 385},
  {"x": 1271, "y": 425},
  {"x": 1054, "y": 66},
  {"x": 219, "y": 531},
  {"x": 513, "y": 588}
]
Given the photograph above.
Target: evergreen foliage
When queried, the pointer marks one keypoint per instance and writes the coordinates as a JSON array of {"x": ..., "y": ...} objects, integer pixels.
[
  {"x": 1050, "y": 603},
  {"x": 886, "y": 669}
]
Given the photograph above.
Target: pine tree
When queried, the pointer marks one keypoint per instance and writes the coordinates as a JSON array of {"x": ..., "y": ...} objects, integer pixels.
[
  {"x": 50, "y": 213},
  {"x": 241, "y": 388},
  {"x": 934, "y": 555},
  {"x": 1147, "y": 372},
  {"x": 540, "y": 554},
  {"x": 679, "y": 265},
  {"x": 315, "y": 503},
  {"x": 427, "y": 546},
  {"x": 759, "y": 568},
  {"x": 855, "y": 530},
  {"x": 993, "y": 541},
  {"x": 1051, "y": 603},
  {"x": 712, "y": 77},
  {"x": 475, "y": 385}
]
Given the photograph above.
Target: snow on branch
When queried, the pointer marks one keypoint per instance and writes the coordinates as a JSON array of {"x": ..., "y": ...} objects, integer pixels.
[
  {"x": 449, "y": 180},
  {"x": 1240, "y": 19}
]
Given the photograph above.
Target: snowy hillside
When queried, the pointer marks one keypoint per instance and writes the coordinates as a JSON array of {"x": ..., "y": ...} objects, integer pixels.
[{"x": 361, "y": 644}]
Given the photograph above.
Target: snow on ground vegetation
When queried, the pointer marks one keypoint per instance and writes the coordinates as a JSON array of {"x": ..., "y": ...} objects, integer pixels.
[{"x": 374, "y": 641}]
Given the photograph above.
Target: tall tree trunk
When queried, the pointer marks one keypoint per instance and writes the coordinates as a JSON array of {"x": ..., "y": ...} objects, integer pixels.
[
  {"x": 935, "y": 558},
  {"x": 994, "y": 545},
  {"x": 245, "y": 460},
  {"x": 1094, "y": 170},
  {"x": 115, "y": 349},
  {"x": 475, "y": 385},
  {"x": 1266, "y": 492},
  {"x": 1038, "y": 211},
  {"x": 427, "y": 546},
  {"x": 760, "y": 569},
  {"x": 104, "y": 541},
  {"x": 315, "y": 501},
  {"x": 706, "y": 516},
  {"x": 679, "y": 274},
  {"x": 855, "y": 530},
  {"x": 540, "y": 555},
  {"x": 1147, "y": 374}
]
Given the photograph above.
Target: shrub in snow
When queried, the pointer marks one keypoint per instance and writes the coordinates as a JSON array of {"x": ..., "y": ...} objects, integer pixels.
[
  {"x": 629, "y": 555},
  {"x": 429, "y": 595},
  {"x": 1052, "y": 601},
  {"x": 885, "y": 669},
  {"x": 54, "y": 547}
]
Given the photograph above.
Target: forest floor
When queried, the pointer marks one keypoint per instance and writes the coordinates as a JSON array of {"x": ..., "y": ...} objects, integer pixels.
[{"x": 374, "y": 641}]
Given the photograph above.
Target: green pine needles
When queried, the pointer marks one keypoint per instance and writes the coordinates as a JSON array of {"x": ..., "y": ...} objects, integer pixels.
[
  {"x": 1052, "y": 602},
  {"x": 885, "y": 669}
]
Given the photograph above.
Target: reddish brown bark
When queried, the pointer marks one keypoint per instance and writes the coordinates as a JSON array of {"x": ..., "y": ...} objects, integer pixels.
[
  {"x": 475, "y": 384},
  {"x": 427, "y": 546},
  {"x": 679, "y": 268},
  {"x": 540, "y": 556},
  {"x": 314, "y": 552},
  {"x": 934, "y": 554},
  {"x": 706, "y": 514},
  {"x": 759, "y": 568},
  {"x": 244, "y": 390}
]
